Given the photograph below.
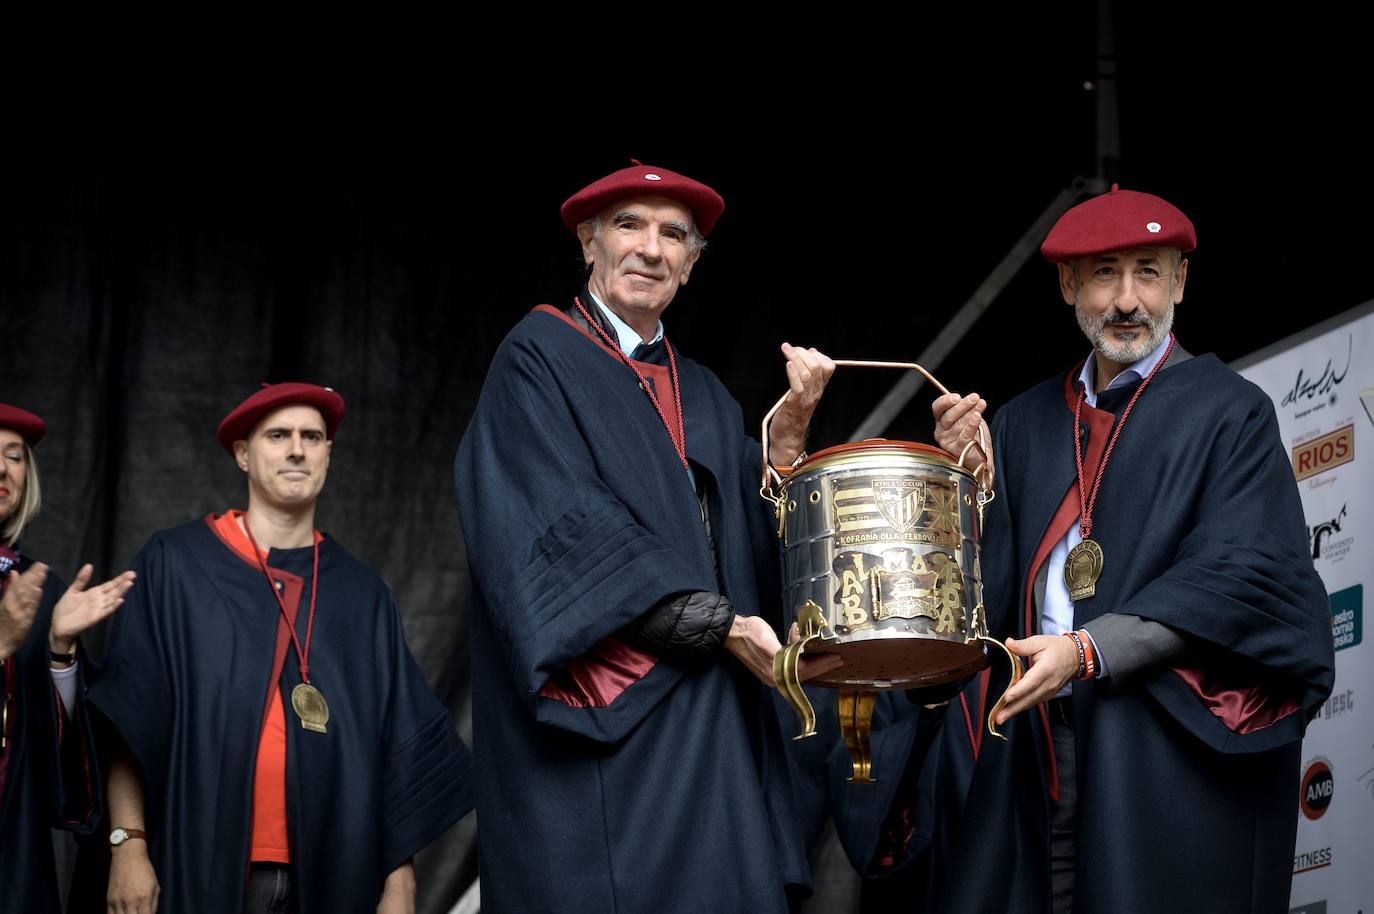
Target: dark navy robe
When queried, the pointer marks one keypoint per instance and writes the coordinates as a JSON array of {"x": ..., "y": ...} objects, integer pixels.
[
  {"x": 50, "y": 776},
  {"x": 896, "y": 831},
  {"x": 610, "y": 779},
  {"x": 186, "y": 683},
  {"x": 1187, "y": 776}
]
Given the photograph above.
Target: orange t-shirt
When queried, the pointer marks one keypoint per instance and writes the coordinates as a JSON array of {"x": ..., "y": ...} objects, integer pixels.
[{"x": 269, "y": 843}]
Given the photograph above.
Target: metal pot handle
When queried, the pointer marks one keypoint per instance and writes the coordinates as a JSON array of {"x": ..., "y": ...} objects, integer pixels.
[
  {"x": 1018, "y": 669},
  {"x": 984, "y": 475}
]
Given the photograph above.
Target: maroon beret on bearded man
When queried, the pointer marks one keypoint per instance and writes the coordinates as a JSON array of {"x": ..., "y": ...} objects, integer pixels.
[{"x": 1115, "y": 221}]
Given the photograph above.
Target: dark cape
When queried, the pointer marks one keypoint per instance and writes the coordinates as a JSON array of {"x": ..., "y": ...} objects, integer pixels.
[
  {"x": 897, "y": 832},
  {"x": 1187, "y": 776},
  {"x": 186, "y": 683},
  {"x": 611, "y": 779},
  {"x": 50, "y": 778}
]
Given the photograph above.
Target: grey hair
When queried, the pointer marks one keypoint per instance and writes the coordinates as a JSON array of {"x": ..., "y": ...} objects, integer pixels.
[
  {"x": 29, "y": 502},
  {"x": 695, "y": 243}
]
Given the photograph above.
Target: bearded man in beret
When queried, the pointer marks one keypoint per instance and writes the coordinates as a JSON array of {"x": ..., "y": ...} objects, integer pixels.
[
  {"x": 284, "y": 752},
  {"x": 1147, "y": 550},
  {"x": 626, "y": 607}
]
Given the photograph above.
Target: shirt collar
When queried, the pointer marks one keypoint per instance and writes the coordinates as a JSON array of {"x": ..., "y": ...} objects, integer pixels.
[
  {"x": 625, "y": 335},
  {"x": 1135, "y": 372}
]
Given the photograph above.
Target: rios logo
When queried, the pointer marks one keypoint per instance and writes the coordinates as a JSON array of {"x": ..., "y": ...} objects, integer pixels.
[
  {"x": 1315, "y": 794},
  {"x": 1324, "y": 453},
  {"x": 1323, "y": 544}
]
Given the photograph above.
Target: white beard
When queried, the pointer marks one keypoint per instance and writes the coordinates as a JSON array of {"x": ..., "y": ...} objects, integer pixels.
[{"x": 1125, "y": 352}]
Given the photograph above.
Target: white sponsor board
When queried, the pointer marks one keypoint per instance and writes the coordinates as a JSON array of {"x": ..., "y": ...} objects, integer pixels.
[{"x": 1316, "y": 380}]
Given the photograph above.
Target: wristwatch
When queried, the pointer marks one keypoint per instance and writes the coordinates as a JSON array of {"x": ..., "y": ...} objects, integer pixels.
[
  {"x": 119, "y": 835},
  {"x": 69, "y": 657}
]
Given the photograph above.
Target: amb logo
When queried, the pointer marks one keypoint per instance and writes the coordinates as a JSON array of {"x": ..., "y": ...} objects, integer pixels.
[{"x": 1318, "y": 784}]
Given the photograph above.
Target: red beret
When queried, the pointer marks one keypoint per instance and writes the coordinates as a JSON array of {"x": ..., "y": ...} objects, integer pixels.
[
  {"x": 644, "y": 181},
  {"x": 30, "y": 427},
  {"x": 1117, "y": 220},
  {"x": 247, "y": 414}
]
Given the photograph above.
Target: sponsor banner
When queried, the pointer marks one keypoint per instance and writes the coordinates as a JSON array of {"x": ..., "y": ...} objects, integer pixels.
[
  {"x": 1322, "y": 387},
  {"x": 1341, "y": 703},
  {"x": 1347, "y": 612},
  {"x": 1318, "y": 787},
  {"x": 1325, "y": 453},
  {"x": 1329, "y": 543},
  {"x": 1307, "y": 861},
  {"x": 1311, "y": 392}
]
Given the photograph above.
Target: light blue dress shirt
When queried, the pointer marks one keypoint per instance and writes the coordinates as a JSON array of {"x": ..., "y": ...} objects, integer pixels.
[{"x": 1056, "y": 616}]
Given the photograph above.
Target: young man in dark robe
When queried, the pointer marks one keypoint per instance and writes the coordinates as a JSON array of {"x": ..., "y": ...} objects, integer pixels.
[
  {"x": 283, "y": 749},
  {"x": 1146, "y": 548},
  {"x": 626, "y": 606}
]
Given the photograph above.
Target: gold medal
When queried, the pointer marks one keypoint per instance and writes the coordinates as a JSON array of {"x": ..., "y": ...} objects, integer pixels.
[
  {"x": 309, "y": 704},
  {"x": 1082, "y": 569},
  {"x": 1084, "y": 564},
  {"x": 310, "y": 707}
]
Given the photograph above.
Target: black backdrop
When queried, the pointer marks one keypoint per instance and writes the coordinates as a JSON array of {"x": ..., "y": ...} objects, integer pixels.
[{"x": 152, "y": 277}]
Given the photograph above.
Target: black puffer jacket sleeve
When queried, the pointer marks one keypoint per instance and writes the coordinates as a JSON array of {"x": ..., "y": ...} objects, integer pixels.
[{"x": 685, "y": 627}]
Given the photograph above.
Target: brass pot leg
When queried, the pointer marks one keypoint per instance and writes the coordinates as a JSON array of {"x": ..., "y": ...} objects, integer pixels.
[
  {"x": 810, "y": 621},
  {"x": 1018, "y": 669},
  {"x": 789, "y": 684},
  {"x": 856, "y": 723}
]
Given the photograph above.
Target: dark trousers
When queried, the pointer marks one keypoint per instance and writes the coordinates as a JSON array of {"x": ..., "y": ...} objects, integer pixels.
[
  {"x": 1064, "y": 814},
  {"x": 270, "y": 890}
]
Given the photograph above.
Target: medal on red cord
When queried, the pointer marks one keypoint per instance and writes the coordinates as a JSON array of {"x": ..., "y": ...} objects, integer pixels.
[
  {"x": 1084, "y": 564},
  {"x": 307, "y": 700}
]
